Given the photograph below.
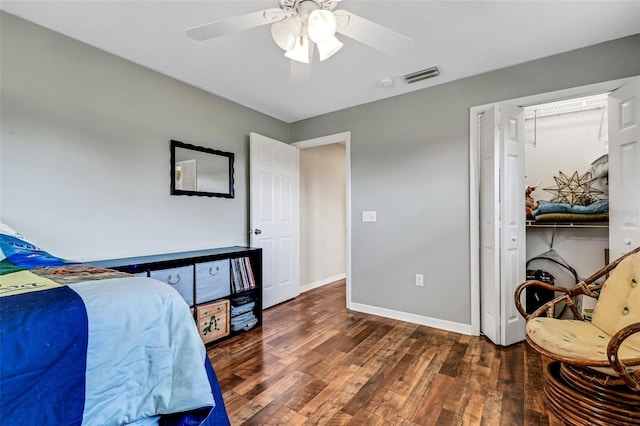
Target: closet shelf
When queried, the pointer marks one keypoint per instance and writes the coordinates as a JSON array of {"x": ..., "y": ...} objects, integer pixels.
[{"x": 534, "y": 224}]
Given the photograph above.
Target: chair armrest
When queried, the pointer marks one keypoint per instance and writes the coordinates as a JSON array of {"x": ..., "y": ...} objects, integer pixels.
[
  {"x": 631, "y": 379},
  {"x": 525, "y": 285},
  {"x": 569, "y": 292}
]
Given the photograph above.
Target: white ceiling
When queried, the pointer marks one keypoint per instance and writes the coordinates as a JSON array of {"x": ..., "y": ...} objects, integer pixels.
[{"x": 462, "y": 38}]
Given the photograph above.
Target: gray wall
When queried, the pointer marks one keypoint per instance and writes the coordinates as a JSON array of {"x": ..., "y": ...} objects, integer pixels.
[
  {"x": 85, "y": 151},
  {"x": 410, "y": 163}
]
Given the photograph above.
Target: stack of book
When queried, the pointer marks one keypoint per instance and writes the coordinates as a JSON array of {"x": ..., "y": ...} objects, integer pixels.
[{"x": 241, "y": 275}]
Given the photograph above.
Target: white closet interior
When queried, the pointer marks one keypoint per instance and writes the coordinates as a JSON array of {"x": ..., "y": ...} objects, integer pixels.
[
  {"x": 509, "y": 152},
  {"x": 567, "y": 136}
]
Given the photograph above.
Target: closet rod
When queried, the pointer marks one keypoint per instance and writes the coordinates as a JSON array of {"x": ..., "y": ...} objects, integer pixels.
[{"x": 575, "y": 105}]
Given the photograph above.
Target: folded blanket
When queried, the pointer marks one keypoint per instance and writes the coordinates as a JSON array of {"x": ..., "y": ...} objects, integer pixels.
[
  {"x": 237, "y": 310},
  {"x": 572, "y": 217},
  {"x": 242, "y": 318},
  {"x": 550, "y": 207},
  {"x": 245, "y": 325}
]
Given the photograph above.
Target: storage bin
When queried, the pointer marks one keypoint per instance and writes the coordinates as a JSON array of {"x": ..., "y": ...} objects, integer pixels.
[
  {"x": 213, "y": 320},
  {"x": 213, "y": 280},
  {"x": 179, "y": 278}
]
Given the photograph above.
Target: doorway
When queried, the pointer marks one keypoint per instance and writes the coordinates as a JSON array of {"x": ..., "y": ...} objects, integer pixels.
[
  {"x": 475, "y": 173},
  {"x": 325, "y": 235}
]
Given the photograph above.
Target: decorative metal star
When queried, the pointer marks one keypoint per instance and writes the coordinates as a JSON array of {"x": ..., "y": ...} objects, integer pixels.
[{"x": 575, "y": 189}]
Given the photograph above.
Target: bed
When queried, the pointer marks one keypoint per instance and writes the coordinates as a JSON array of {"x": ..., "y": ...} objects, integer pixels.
[{"x": 81, "y": 345}]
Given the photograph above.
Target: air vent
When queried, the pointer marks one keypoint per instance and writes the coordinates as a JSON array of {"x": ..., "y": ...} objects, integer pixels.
[{"x": 421, "y": 75}]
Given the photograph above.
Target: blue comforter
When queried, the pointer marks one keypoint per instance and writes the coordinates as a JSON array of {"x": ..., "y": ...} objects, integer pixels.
[{"x": 100, "y": 352}]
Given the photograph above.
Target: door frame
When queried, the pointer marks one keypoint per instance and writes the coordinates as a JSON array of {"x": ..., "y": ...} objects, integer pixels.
[
  {"x": 474, "y": 174},
  {"x": 344, "y": 137}
]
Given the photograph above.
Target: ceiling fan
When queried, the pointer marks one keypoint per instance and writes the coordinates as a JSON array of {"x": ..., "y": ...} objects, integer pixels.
[{"x": 299, "y": 25}]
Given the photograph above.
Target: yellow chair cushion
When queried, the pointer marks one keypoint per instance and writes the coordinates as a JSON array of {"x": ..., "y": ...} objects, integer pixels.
[
  {"x": 578, "y": 340},
  {"x": 619, "y": 302},
  {"x": 618, "y": 306}
]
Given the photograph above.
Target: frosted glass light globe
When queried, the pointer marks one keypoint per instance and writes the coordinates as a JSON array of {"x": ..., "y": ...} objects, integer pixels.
[
  {"x": 322, "y": 25},
  {"x": 328, "y": 48},
  {"x": 301, "y": 52},
  {"x": 285, "y": 32}
]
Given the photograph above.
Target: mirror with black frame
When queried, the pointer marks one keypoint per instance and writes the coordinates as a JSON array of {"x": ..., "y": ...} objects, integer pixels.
[{"x": 196, "y": 170}]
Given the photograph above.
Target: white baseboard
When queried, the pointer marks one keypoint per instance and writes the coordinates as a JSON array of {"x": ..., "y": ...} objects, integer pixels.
[
  {"x": 322, "y": 282},
  {"x": 455, "y": 327}
]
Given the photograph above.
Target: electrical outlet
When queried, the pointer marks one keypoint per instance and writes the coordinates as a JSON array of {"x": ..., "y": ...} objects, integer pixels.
[{"x": 420, "y": 280}]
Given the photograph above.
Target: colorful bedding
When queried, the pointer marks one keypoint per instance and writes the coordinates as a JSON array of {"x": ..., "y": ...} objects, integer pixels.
[{"x": 88, "y": 346}]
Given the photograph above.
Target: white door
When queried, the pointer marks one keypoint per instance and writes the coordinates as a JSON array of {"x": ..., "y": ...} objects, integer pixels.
[
  {"x": 624, "y": 169},
  {"x": 502, "y": 216},
  {"x": 489, "y": 226},
  {"x": 512, "y": 220},
  {"x": 274, "y": 216}
]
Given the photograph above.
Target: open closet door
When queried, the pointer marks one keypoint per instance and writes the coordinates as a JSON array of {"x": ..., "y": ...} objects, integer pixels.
[
  {"x": 624, "y": 169},
  {"x": 275, "y": 216},
  {"x": 489, "y": 226},
  {"x": 502, "y": 222}
]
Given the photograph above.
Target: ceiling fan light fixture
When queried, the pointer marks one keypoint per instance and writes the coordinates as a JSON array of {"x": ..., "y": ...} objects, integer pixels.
[
  {"x": 285, "y": 32},
  {"x": 322, "y": 25},
  {"x": 301, "y": 52},
  {"x": 328, "y": 48}
]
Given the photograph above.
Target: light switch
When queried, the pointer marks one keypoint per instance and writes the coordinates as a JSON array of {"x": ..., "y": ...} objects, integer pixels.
[{"x": 368, "y": 216}]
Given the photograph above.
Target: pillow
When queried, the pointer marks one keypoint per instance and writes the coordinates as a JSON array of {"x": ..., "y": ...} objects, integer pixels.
[
  {"x": 6, "y": 229},
  {"x": 10, "y": 232},
  {"x": 16, "y": 253}
]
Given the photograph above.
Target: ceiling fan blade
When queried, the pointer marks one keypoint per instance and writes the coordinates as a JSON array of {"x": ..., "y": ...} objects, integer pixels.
[
  {"x": 236, "y": 24},
  {"x": 373, "y": 35}
]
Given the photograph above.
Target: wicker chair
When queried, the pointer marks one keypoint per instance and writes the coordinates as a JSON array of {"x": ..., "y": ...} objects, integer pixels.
[{"x": 594, "y": 377}]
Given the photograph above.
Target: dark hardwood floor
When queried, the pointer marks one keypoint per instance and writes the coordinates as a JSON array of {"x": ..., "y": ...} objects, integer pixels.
[{"x": 314, "y": 362}]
